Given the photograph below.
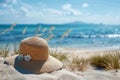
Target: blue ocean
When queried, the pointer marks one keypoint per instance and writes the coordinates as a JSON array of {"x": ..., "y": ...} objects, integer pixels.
[{"x": 69, "y": 36}]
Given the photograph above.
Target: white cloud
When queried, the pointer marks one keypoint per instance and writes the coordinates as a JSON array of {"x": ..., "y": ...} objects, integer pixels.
[
  {"x": 28, "y": 6},
  {"x": 67, "y": 6},
  {"x": 24, "y": 11},
  {"x": 70, "y": 10},
  {"x": 85, "y": 5},
  {"x": 55, "y": 11}
]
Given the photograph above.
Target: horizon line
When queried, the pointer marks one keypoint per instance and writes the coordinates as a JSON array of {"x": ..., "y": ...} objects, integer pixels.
[{"x": 81, "y": 22}]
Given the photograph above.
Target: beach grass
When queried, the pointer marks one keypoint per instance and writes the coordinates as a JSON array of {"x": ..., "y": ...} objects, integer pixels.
[
  {"x": 37, "y": 30},
  {"x": 106, "y": 61},
  {"x": 65, "y": 34},
  {"x": 79, "y": 64},
  {"x": 60, "y": 56},
  {"x": 49, "y": 37},
  {"x": 16, "y": 50},
  {"x": 4, "y": 52},
  {"x": 72, "y": 64},
  {"x": 24, "y": 30},
  {"x": 11, "y": 28},
  {"x": 39, "y": 35},
  {"x": 97, "y": 60}
]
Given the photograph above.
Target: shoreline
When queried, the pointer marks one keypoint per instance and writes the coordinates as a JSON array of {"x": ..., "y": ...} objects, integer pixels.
[
  {"x": 84, "y": 53},
  {"x": 84, "y": 50}
]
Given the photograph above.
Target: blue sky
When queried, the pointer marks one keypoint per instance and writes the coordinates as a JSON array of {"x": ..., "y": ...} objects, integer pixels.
[{"x": 59, "y": 11}]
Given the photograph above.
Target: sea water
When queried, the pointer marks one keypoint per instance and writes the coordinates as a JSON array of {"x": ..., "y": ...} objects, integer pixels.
[{"x": 69, "y": 36}]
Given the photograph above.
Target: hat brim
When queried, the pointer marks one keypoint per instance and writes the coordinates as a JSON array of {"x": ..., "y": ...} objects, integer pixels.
[{"x": 35, "y": 67}]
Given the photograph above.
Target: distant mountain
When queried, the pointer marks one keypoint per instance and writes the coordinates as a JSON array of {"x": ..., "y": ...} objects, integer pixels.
[
  {"x": 76, "y": 23},
  {"x": 81, "y": 23},
  {"x": 73, "y": 23}
]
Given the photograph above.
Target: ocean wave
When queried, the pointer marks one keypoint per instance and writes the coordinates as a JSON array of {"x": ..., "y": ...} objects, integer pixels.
[
  {"x": 18, "y": 36},
  {"x": 114, "y": 35},
  {"x": 95, "y": 36}
]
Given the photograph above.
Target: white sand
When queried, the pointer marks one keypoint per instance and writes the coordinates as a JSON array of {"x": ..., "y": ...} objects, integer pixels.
[{"x": 8, "y": 72}]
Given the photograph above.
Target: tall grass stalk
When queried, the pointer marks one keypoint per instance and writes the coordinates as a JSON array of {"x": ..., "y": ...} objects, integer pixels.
[
  {"x": 52, "y": 28},
  {"x": 39, "y": 35},
  {"x": 16, "y": 50},
  {"x": 24, "y": 30},
  {"x": 66, "y": 33},
  {"x": 12, "y": 26},
  {"x": 44, "y": 30},
  {"x": 49, "y": 37},
  {"x": 37, "y": 30},
  {"x": 8, "y": 29},
  {"x": 4, "y": 51},
  {"x": 60, "y": 56}
]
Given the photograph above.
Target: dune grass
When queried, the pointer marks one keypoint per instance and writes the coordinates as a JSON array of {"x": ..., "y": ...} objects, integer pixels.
[
  {"x": 80, "y": 64},
  {"x": 65, "y": 34},
  {"x": 24, "y": 30},
  {"x": 4, "y": 51},
  {"x": 75, "y": 63},
  {"x": 49, "y": 37},
  {"x": 106, "y": 61},
  {"x": 16, "y": 49},
  {"x": 8, "y": 29},
  {"x": 37, "y": 30},
  {"x": 60, "y": 56}
]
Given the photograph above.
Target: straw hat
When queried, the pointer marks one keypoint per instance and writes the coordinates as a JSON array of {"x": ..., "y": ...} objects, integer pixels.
[{"x": 34, "y": 57}]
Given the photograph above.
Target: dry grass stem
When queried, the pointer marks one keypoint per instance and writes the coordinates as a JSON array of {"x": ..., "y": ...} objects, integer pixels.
[
  {"x": 60, "y": 56},
  {"x": 24, "y": 30},
  {"x": 16, "y": 50},
  {"x": 4, "y": 51},
  {"x": 49, "y": 37},
  {"x": 44, "y": 30},
  {"x": 39, "y": 35},
  {"x": 38, "y": 29},
  {"x": 107, "y": 61},
  {"x": 9, "y": 29},
  {"x": 52, "y": 28},
  {"x": 65, "y": 34},
  {"x": 80, "y": 64}
]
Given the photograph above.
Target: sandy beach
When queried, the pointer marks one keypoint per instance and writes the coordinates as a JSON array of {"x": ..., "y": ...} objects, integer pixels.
[
  {"x": 85, "y": 53},
  {"x": 9, "y": 72}
]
